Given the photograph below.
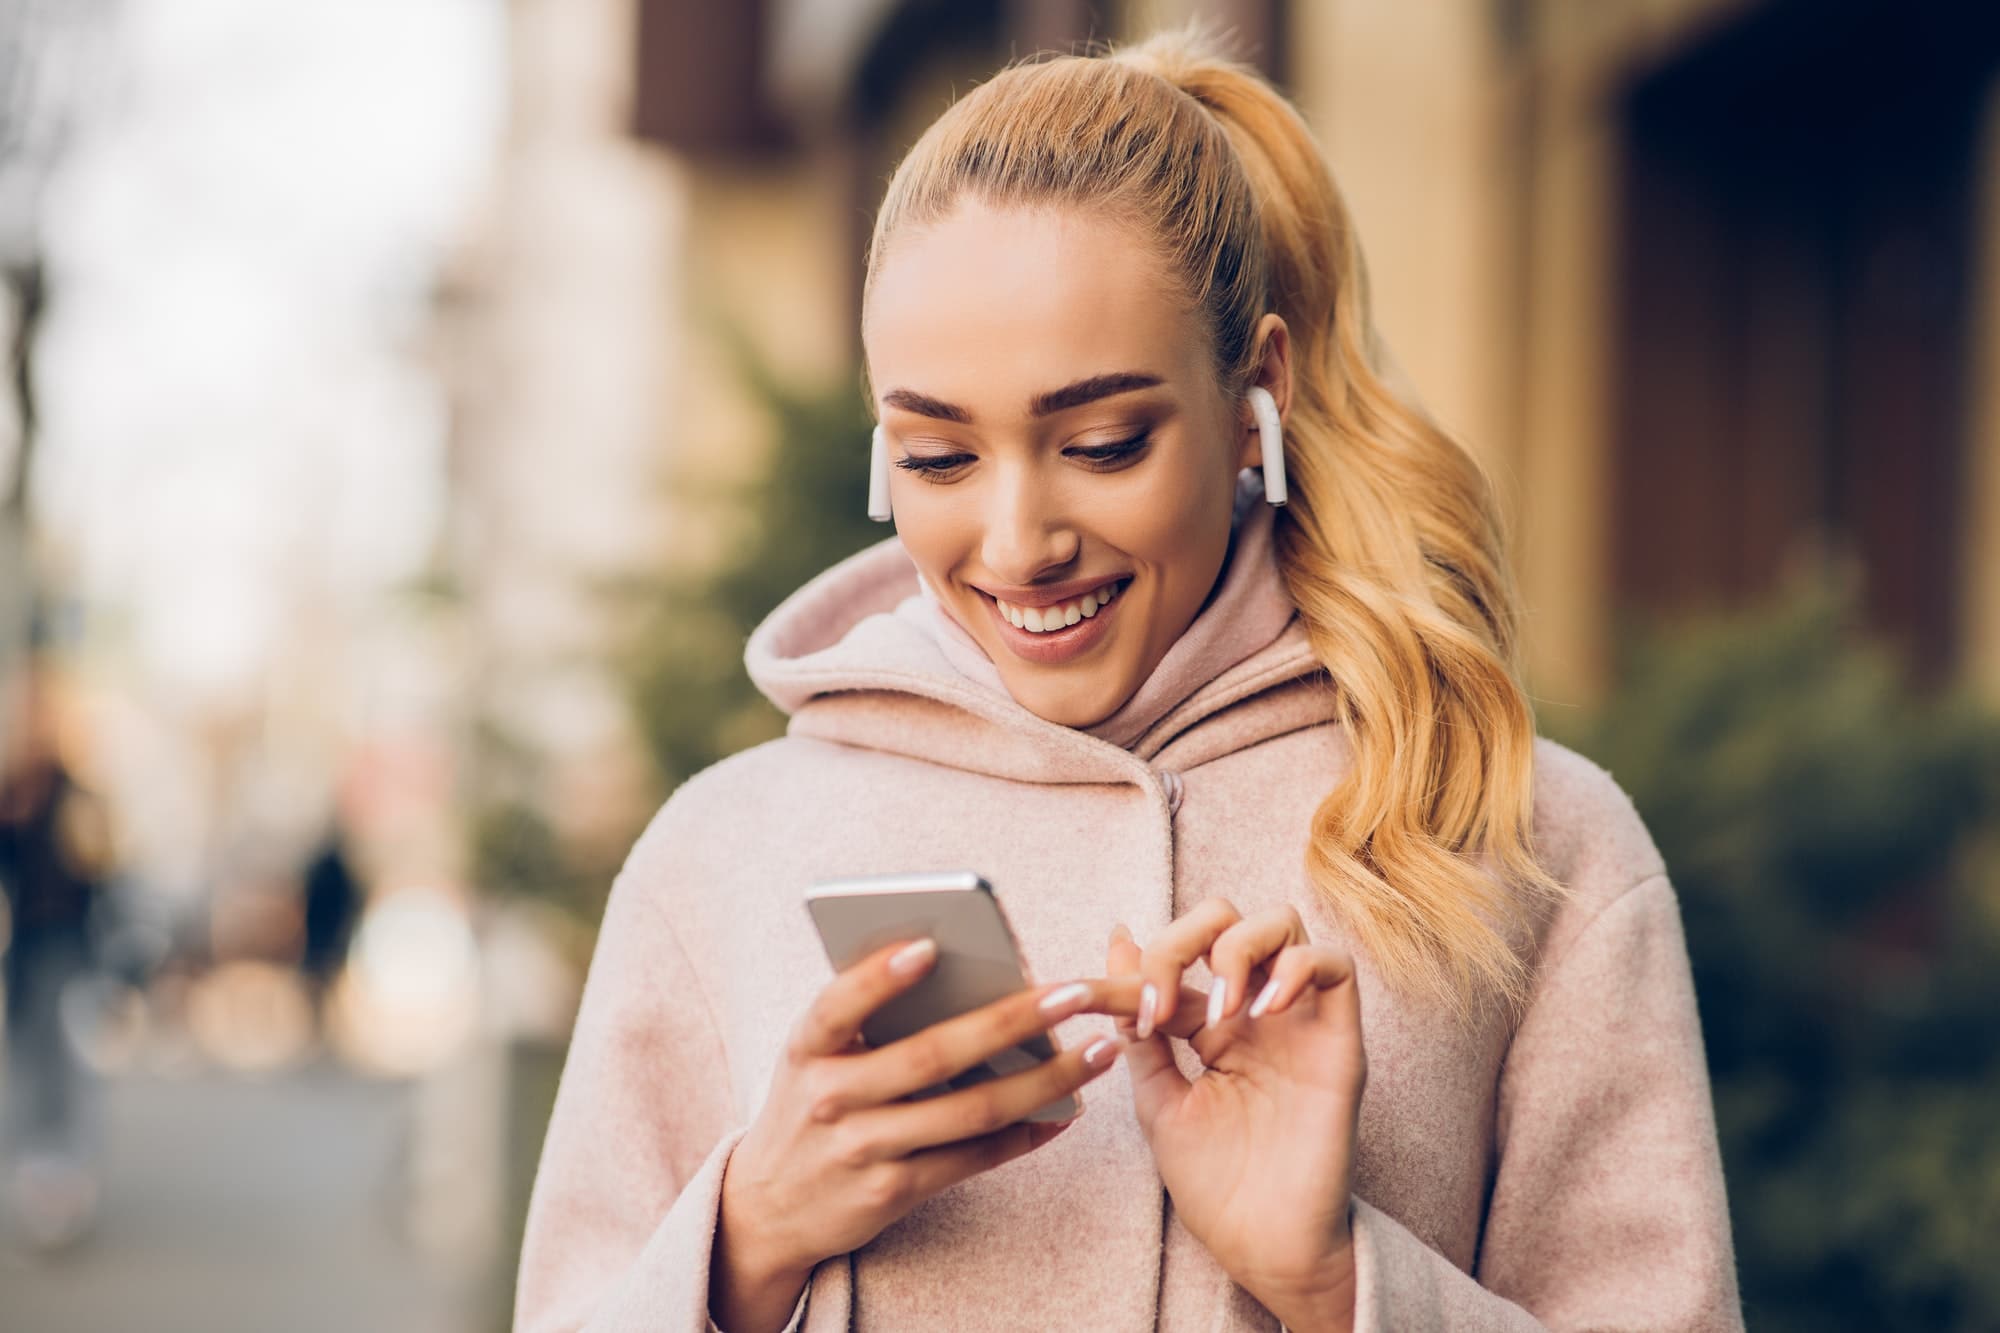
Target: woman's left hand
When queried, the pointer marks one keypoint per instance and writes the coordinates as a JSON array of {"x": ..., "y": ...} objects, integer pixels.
[{"x": 1257, "y": 1152}]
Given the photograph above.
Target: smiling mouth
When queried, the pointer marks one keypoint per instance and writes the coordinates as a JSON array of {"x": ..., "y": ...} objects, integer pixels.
[
  {"x": 1068, "y": 630},
  {"x": 1063, "y": 615}
]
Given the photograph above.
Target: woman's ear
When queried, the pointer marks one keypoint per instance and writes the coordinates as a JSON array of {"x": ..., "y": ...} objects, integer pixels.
[{"x": 1274, "y": 373}]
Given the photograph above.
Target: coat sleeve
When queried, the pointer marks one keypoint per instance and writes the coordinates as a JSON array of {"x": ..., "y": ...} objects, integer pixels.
[
  {"x": 1607, "y": 1208},
  {"x": 622, "y": 1214}
]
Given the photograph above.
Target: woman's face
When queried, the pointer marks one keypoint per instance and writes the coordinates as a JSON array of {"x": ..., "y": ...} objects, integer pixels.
[{"x": 1061, "y": 451}]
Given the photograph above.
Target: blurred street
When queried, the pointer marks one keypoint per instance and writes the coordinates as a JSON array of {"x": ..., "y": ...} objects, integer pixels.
[
  {"x": 411, "y": 406},
  {"x": 238, "y": 1204}
]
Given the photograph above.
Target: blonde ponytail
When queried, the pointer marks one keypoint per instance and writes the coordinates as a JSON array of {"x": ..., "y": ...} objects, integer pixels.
[{"x": 1392, "y": 545}]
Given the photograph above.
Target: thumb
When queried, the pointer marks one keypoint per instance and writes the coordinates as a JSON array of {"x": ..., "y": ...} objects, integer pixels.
[{"x": 1157, "y": 1082}]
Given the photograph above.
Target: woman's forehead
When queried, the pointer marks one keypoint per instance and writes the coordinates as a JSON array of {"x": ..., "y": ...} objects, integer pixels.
[{"x": 989, "y": 308}]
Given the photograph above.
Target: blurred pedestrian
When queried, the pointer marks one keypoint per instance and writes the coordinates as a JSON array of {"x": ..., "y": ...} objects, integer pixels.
[
  {"x": 332, "y": 903},
  {"x": 53, "y": 852}
]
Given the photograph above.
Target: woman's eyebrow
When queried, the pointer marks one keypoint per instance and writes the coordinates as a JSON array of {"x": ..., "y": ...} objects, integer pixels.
[
  {"x": 926, "y": 406},
  {"x": 1086, "y": 391},
  {"x": 1055, "y": 400}
]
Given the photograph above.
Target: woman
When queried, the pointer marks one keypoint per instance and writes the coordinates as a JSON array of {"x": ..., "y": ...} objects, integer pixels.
[{"x": 1256, "y": 782}]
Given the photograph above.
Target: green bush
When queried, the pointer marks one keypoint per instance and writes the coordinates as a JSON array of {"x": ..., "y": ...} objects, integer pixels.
[
  {"x": 805, "y": 511},
  {"x": 1831, "y": 834}
]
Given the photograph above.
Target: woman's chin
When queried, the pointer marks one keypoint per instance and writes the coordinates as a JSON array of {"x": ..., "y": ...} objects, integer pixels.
[{"x": 1077, "y": 703}]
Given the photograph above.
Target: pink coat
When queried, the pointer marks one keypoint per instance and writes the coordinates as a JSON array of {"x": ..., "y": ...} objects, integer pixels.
[{"x": 1561, "y": 1173}]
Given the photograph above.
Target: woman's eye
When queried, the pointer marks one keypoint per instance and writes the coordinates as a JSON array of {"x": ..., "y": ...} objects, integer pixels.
[
  {"x": 1111, "y": 453},
  {"x": 935, "y": 467},
  {"x": 931, "y": 464}
]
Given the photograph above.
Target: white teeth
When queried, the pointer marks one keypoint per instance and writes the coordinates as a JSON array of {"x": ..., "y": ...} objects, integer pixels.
[{"x": 1040, "y": 620}]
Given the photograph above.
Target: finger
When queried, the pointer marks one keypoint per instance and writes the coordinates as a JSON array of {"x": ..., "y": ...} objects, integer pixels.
[
  {"x": 832, "y": 1023},
  {"x": 1124, "y": 993},
  {"x": 1121, "y": 996},
  {"x": 1157, "y": 1082},
  {"x": 967, "y": 1113},
  {"x": 1176, "y": 949},
  {"x": 934, "y": 1170},
  {"x": 1211, "y": 1041},
  {"x": 953, "y": 1045},
  {"x": 1324, "y": 966},
  {"x": 1239, "y": 949}
]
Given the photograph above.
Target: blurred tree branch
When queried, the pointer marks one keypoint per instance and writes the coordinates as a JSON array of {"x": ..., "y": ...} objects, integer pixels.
[{"x": 804, "y": 511}]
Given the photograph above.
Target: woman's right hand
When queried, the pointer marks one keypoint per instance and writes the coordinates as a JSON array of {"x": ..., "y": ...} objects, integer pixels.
[{"x": 833, "y": 1157}]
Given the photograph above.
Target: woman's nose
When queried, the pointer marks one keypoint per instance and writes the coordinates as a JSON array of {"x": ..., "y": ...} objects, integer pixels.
[{"x": 1026, "y": 534}]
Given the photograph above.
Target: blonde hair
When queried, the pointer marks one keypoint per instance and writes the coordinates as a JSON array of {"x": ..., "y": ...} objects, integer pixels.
[{"x": 1392, "y": 544}]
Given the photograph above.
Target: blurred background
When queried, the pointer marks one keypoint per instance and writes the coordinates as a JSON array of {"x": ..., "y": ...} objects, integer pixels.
[{"x": 411, "y": 404}]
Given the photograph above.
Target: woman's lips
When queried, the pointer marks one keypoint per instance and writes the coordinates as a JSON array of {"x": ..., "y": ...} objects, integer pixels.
[{"x": 1052, "y": 647}]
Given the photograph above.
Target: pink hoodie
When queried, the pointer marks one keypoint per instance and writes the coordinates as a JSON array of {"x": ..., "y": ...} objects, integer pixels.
[{"x": 1561, "y": 1173}]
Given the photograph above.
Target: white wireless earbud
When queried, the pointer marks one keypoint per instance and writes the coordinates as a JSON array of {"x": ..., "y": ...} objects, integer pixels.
[
  {"x": 878, "y": 477},
  {"x": 1271, "y": 437}
]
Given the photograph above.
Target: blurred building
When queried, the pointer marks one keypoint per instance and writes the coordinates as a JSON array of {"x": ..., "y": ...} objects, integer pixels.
[
  {"x": 1708, "y": 282},
  {"x": 554, "y": 336},
  {"x": 223, "y": 464}
]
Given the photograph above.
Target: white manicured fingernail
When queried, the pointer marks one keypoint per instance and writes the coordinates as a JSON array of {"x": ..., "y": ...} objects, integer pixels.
[
  {"x": 1216, "y": 999},
  {"x": 1149, "y": 1000},
  {"x": 1100, "y": 1052},
  {"x": 1056, "y": 1000},
  {"x": 1264, "y": 998},
  {"x": 912, "y": 956}
]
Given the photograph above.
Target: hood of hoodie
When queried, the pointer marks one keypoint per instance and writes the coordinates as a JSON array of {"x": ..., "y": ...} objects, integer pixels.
[{"x": 848, "y": 658}]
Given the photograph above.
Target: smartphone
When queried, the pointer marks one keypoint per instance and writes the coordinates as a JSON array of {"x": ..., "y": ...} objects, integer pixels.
[{"x": 978, "y": 961}]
